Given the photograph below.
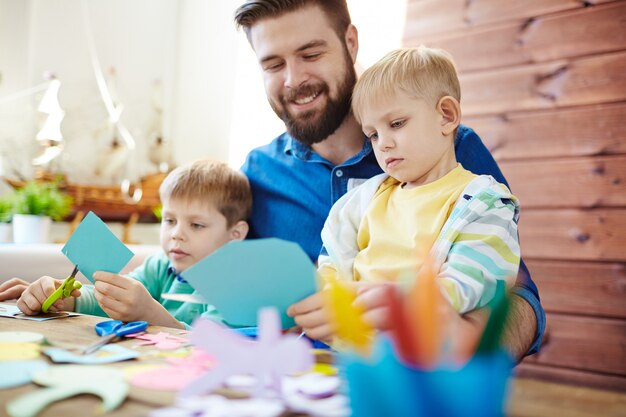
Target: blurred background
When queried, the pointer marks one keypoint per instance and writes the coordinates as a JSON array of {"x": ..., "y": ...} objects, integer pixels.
[{"x": 543, "y": 83}]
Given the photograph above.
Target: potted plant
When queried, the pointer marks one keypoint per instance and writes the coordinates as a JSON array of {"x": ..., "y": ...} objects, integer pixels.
[
  {"x": 6, "y": 213},
  {"x": 34, "y": 207}
]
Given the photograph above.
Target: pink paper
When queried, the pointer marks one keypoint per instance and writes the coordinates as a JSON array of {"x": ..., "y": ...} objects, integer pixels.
[
  {"x": 267, "y": 359},
  {"x": 176, "y": 376},
  {"x": 160, "y": 340}
]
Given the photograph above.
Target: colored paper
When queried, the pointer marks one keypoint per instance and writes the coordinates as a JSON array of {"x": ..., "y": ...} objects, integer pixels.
[
  {"x": 106, "y": 354},
  {"x": 11, "y": 310},
  {"x": 64, "y": 381},
  {"x": 15, "y": 351},
  {"x": 94, "y": 247},
  {"x": 15, "y": 373},
  {"x": 499, "y": 310},
  {"x": 386, "y": 387},
  {"x": 350, "y": 327},
  {"x": 177, "y": 375},
  {"x": 243, "y": 276},
  {"x": 160, "y": 340},
  {"x": 21, "y": 337},
  {"x": 267, "y": 359},
  {"x": 218, "y": 406}
]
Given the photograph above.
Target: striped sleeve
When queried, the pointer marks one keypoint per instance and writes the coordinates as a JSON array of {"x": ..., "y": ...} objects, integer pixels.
[{"x": 484, "y": 249}]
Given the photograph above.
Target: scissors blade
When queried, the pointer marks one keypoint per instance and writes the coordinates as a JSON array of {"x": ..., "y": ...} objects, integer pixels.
[
  {"x": 97, "y": 345},
  {"x": 74, "y": 272}
]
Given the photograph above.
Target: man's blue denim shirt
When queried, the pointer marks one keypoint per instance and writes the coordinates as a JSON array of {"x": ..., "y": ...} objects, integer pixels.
[{"x": 294, "y": 188}]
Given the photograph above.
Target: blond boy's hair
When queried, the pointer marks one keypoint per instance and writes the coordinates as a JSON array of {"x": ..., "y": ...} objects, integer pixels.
[
  {"x": 422, "y": 73},
  {"x": 211, "y": 182}
]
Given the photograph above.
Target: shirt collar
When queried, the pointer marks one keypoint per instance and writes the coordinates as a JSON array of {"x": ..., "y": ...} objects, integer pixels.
[
  {"x": 305, "y": 153},
  {"x": 172, "y": 270}
]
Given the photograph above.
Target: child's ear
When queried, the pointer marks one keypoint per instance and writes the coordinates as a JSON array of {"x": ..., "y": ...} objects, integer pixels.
[
  {"x": 240, "y": 230},
  {"x": 450, "y": 110}
]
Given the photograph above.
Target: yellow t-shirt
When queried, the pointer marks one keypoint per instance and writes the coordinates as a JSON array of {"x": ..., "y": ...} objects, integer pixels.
[{"x": 401, "y": 225}]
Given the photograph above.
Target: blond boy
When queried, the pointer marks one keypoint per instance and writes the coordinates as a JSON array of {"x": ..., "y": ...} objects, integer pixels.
[
  {"x": 425, "y": 207},
  {"x": 205, "y": 205}
]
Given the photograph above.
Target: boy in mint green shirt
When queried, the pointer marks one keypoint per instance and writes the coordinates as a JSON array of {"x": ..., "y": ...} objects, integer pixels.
[{"x": 205, "y": 205}]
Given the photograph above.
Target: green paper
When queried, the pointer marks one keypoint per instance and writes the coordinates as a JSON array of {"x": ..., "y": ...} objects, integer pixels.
[{"x": 499, "y": 307}]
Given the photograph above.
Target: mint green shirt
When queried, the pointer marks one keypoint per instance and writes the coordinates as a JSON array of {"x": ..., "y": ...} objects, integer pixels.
[{"x": 158, "y": 278}]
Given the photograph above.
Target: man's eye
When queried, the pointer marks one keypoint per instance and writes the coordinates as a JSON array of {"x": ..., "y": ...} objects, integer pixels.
[
  {"x": 312, "y": 57},
  {"x": 273, "y": 67},
  {"x": 197, "y": 226},
  {"x": 397, "y": 123}
]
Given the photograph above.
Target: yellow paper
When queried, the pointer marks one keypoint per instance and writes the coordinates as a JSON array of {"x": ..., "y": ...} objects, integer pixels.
[
  {"x": 19, "y": 351},
  {"x": 350, "y": 327}
]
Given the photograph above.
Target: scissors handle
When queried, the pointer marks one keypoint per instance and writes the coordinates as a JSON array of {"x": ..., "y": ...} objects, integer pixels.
[{"x": 112, "y": 329}]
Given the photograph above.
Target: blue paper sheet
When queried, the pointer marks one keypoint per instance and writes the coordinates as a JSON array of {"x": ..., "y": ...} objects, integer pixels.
[
  {"x": 243, "y": 276},
  {"x": 93, "y": 247}
]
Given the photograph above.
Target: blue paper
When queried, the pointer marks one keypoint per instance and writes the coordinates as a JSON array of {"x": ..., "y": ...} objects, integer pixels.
[
  {"x": 106, "y": 354},
  {"x": 385, "y": 386},
  {"x": 16, "y": 373},
  {"x": 93, "y": 247},
  {"x": 243, "y": 276}
]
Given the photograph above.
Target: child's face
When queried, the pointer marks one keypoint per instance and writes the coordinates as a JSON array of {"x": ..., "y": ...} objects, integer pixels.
[
  {"x": 191, "y": 230},
  {"x": 408, "y": 140}
]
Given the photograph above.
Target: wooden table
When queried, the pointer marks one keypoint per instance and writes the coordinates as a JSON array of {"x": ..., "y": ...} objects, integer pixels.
[{"x": 529, "y": 398}]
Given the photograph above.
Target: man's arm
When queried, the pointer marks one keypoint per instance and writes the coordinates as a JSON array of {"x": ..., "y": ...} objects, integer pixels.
[{"x": 527, "y": 321}]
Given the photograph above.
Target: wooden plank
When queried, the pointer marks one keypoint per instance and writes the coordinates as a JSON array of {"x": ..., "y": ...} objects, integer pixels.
[
  {"x": 583, "y": 81},
  {"x": 576, "y": 33},
  {"x": 569, "y": 376},
  {"x": 582, "y": 131},
  {"x": 589, "y": 288},
  {"x": 425, "y": 17},
  {"x": 584, "y": 343},
  {"x": 585, "y": 182},
  {"x": 579, "y": 235}
]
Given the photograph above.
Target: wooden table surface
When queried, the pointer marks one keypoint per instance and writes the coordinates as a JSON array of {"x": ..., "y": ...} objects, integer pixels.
[{"x": 529, "y": 398}]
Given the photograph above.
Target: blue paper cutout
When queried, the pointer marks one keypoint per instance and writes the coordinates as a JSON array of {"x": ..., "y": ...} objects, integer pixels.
[
  {"x": 243, "y": 276},
  {"x": 16, "y": 373},
  {"x": 106, "y": 354},
  {"x": 93, "y": 247},
  {"x": 385, "y": 386}
]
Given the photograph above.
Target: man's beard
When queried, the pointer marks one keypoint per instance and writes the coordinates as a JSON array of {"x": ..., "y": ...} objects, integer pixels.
[{"x": 306, "y": 127}]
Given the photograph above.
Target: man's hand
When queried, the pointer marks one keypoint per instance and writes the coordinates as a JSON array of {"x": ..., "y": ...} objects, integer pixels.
[
  {"x": 126, "y": 299},
  {"x": 309, "y": 314},
  {"x": 36, "y": 293},
  {"x": 12, "y": 289}
]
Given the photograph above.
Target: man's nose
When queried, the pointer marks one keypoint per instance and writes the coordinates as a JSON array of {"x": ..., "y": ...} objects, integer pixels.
[{"x": 295, "y": 75}]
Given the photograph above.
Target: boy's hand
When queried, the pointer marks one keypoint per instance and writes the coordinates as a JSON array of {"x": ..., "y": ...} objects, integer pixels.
[
  {"x": 123, "y": 298},
  {"x": 373, "y": 298},
  {"x": 12, "y": 289},
  {"x": 311, "y": 317},
  {"x": 35, "y": 295}
]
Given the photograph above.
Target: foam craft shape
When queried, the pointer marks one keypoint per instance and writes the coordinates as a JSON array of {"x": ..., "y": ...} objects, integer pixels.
[
  {"x": 64, "y": 381},
  {"x": 15, "y": 373},
  {"x": 94, "y": 247},
  {"x": 385, "y": 386},
  {"x": 267, "y": 358},
  {"x": 245, "y": 275},
  {"x": 106, "y": 354}
]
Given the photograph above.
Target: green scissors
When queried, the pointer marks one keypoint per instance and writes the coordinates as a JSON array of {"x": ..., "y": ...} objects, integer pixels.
[{"x": 64, "y": 291}]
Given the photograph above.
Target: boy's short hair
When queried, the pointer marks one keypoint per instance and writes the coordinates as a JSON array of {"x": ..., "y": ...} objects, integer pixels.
[
  {"x": 252, "y": 11},
  {"x": 422, "y": 72},
  {"x": 211, "y": 182}
]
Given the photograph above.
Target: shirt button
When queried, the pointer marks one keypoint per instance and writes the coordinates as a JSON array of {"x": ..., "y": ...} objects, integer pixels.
[{"x": 339, "y": 173}]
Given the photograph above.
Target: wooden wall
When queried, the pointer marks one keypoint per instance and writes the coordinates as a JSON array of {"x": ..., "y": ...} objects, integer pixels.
[{"x": 544, "y": 84}]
